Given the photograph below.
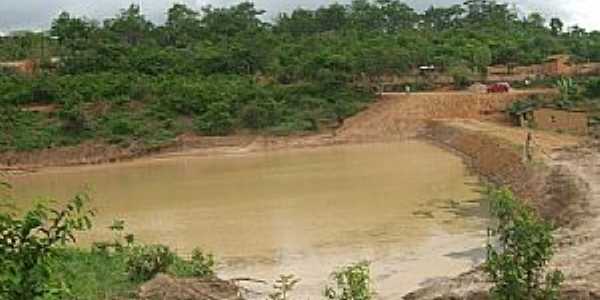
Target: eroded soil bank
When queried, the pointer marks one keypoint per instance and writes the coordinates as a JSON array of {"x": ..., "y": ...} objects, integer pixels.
[{"x": 562, "y": 183}]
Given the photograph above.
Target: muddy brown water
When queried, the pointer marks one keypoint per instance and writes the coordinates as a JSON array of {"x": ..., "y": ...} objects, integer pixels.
[{"x": 409, "y": 208}]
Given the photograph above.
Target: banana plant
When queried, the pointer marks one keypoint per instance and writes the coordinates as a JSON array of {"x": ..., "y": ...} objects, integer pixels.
[{"x": 568, "y": 89}]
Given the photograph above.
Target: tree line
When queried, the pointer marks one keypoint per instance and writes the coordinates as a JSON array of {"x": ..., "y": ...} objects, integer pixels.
[{"x": 364, "y": 37}]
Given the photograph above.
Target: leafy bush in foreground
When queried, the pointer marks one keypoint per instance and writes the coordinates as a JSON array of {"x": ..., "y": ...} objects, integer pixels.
[
  {"x": 517, "y": 265},
  {"x": 143, "y": 262},
  {"x": 200, "y": 265},
  {"x": 28, "y": 245}
]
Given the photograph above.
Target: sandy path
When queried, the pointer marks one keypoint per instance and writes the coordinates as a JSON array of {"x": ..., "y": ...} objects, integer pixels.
[{"x": 579, "y": 255}]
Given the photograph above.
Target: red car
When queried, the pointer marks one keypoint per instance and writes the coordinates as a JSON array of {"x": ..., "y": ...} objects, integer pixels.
[{"x": 502, "y": 87}]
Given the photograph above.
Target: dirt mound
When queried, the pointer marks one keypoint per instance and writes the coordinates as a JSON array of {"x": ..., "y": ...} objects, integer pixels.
[
  {"x": 165, "y": 287},
  {"x": 497, "y": 154},
  {"x": 397, "y": 116}
]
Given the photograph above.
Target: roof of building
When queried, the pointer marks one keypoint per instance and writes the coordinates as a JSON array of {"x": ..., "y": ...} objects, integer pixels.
[{"x": 564, "y": 109}]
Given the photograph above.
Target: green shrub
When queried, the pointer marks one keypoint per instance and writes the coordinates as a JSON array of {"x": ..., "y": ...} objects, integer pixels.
[
  {"x": 260, "y": 113},
  {"x": 200, "y": 265},
  {"x": 44, "y": 89},
  {"x": 351, "y": 283},
  {"x": 143, "y": 262},
  {"x": 216, "y": 120},
  {"x": 98, "y": 86},
  {"x": 460, "y": 75},
  {"x": 29, "y": 243},
  {"x": 15, "y": 89},
  {"x": 72, "y": 115},
  {"x": 517, "y": 264},
  {"x": 142, "y": 90},
  {"x": 295, "y": 124},
  {"x": 120, "y": 243},
  {"x": 592, "y": 88},
  {"x": 23, "y": 130},
  {"x": 121, "y": 126},
  {"x": 92, "y": 275},
  {"x": 523, "y": 105}
]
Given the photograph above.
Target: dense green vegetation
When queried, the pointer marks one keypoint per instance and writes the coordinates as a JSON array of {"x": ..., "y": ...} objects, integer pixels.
[
  {"x": 517, "y": 263},
  {"x": 219, "y": 71},
  {"x": 126, "y": 108}
]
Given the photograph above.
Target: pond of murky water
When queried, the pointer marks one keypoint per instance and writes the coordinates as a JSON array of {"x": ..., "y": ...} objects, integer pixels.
[{"x": 409, "y": 208}]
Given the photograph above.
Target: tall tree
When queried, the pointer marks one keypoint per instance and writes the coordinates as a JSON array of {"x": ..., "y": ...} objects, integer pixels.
[
  {"x": 365, "y": 16},
  {"x": 482, "y": 58},
  {"x": 243, "y": 18},
  {"x": 397, "y": 15},
  {"x": 332, "y": 18},
  {"x": 182, "y": 26},
  {"x": 536, "y": 20},
  {"x": 490, "y": 13},
  {"x": 67, "y": 28},
  {"x": 299, "y": 23},
  {"x": 441, "y": 18},
  {"x": 130, "y": 25},
  {"x": 556, "y": 25}
]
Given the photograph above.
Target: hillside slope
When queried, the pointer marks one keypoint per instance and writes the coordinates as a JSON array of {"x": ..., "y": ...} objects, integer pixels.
[{"x": 398, "y": 115}]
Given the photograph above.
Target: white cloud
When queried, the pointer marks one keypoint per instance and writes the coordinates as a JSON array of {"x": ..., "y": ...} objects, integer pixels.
[
  {"x": 583, "y": 12},
  {"x": 579, "y": 12},
  {"x": 36, "y": 14}
]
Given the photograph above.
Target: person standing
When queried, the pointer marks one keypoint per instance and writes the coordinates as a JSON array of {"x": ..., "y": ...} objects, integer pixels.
[{"x": 529, "y": 142}]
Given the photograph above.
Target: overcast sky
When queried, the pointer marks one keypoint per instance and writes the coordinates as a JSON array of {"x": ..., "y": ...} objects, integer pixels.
[{"x": 37, "y": 14}]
